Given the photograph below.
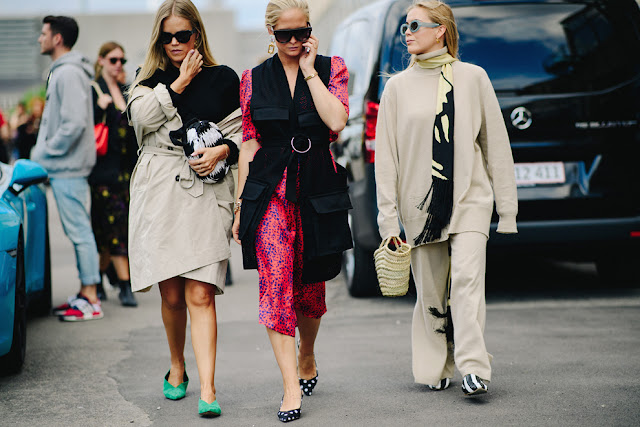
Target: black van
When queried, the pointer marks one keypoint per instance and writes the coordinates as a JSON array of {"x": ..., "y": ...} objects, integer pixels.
[{"x": 567, "y": 75}]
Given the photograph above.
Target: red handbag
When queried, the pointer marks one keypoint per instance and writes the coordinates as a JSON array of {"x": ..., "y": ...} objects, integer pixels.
[{"x": 101, "y": 130}]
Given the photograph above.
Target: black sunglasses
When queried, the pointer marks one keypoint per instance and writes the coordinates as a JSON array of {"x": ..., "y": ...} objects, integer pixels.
[
  {"x": 114, "y": 61},
  {"x": 300, "y": 34},
  {"x": 181, "y": 36}
]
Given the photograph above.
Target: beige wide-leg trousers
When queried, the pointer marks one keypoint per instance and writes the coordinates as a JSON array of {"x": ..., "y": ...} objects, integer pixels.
[{"x": 433, "y": 359}]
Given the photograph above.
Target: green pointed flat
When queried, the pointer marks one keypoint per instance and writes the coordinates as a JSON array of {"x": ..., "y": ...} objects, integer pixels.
[
  {"x": 209, "y": 410},
  {"x": 175, "y": 393}
]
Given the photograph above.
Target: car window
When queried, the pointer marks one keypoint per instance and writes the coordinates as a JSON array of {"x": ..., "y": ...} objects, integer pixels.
[
  {"x": 545, "y": 49},
  {"x": 355, "y": 52}
]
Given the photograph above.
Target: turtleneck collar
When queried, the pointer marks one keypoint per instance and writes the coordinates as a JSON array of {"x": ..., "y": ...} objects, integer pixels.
[{"x": 433, "y": 54}]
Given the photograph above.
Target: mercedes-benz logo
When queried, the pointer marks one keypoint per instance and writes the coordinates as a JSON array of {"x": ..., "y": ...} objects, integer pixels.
[{"x": 521, "y": 118}]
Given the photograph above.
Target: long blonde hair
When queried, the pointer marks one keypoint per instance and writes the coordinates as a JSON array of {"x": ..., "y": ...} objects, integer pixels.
[
  {"x": 276, "y": 7},
  {"x": 104, "y": 51},
  {"x": 440, "y": 13},
  {"x": 156, "y": 56}
]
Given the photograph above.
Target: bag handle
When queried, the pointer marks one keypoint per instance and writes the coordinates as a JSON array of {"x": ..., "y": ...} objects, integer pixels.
[
  {"x": 99, "y": 91},
  {"x": 395, "y": 240}
]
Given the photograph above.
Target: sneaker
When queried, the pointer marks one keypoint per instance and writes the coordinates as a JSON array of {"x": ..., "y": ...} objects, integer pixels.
[
  {"x": 81, "y": 309},
  {"x": 473, "y": 384},
  {"x": 57, "y": 311},
  {"x": 443, "y": 384}
]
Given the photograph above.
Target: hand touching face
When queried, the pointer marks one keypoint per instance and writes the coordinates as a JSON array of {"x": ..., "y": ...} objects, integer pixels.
[{"x": 290, "y": 19}]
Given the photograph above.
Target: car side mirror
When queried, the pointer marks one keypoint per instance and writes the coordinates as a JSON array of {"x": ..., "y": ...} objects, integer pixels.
[{"x": 26, "y": 173}]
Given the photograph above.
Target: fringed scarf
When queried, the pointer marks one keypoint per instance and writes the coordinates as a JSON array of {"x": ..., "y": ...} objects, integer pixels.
[{"x": 441, "y": 191}]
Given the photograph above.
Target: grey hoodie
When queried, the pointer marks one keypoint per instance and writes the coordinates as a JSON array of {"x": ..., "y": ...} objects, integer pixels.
[{"x": 66, "y": 145}]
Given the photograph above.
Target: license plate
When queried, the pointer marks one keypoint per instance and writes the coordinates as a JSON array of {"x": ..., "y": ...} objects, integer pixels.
[{"x": 528, "y": 174}]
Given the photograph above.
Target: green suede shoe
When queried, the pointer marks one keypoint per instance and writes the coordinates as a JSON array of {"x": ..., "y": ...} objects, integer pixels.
[
  {"x": 175, "y": 393},
  {"x": 209, "y": 410}
]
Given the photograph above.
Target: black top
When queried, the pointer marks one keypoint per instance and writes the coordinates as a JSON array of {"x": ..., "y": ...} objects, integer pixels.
[
  {"x": 115, "y": 167},
  {"x": 212, "y": 95}
]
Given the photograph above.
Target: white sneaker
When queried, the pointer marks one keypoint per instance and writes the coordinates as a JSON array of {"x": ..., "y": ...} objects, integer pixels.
[{"x": 81, "y": 309}]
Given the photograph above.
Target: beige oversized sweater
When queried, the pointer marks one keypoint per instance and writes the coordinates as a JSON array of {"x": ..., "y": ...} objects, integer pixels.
[{"x": 482, "y": 160}]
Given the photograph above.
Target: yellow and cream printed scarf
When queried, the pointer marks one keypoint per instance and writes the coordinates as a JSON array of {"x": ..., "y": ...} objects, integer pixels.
[{"x": 441, "y": 191}]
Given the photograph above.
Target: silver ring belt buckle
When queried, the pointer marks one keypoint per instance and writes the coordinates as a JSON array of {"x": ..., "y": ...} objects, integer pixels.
[{"x": 298, "y": 151}]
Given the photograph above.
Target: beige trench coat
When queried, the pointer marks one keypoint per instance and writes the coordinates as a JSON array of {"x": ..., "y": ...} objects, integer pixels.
[{"x": 177, "y": 224}]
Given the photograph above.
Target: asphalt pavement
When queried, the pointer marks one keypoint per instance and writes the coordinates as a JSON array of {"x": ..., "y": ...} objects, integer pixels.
[{"x": 565, "y": 347}]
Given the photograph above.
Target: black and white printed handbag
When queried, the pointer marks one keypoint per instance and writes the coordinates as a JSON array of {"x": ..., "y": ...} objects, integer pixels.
[{"x": 201, "y": 134}]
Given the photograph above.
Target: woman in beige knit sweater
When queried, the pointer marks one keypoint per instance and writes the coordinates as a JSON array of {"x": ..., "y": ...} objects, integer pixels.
[{"x": 444, "y": 113}]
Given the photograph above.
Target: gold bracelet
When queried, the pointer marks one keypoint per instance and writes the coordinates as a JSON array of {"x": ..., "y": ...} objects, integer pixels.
[
  {"x": 237, "y": 207},
  {"x": 310, "y": 76}
]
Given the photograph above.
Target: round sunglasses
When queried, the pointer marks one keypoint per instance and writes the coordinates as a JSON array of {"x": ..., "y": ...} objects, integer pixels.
[
  {"x": 114, "y": 61},
  {"x": 181, "y": 36},
  {"x": 300, "y": 34},
  {"x": 415, "y": 25}
]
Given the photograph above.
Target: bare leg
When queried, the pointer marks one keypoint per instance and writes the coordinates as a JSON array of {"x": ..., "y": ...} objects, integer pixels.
[
  {"x": 105, "y": 258},
  {"x": 284, "y": 348},
  {"x": 174, "y": 316},
  {"x": 201, "y": 300},
  {"x": 90, "y": 292},
  {"x": 308, "y": 328},
  {"x": 121, "y": 264}
]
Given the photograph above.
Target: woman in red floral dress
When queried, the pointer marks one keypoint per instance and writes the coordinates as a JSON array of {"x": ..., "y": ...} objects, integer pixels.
[{"x": 293, "y": 106}]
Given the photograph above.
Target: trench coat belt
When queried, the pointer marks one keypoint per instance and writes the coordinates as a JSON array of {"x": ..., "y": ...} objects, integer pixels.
[{"x": 187, "y": 177}]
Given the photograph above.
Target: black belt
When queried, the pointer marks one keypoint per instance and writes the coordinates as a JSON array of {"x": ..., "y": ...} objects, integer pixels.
[{"x": 299, "y": 144}]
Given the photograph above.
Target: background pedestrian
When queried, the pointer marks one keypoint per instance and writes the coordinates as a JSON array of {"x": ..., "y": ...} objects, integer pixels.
[
  {"x": 28, "y": 124},
  {"x": 110, "y": 177},
  {"x": 66, "y": 148}
]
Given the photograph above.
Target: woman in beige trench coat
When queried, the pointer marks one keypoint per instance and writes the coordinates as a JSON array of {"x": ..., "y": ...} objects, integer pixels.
[{"x": 180, "y": 227}]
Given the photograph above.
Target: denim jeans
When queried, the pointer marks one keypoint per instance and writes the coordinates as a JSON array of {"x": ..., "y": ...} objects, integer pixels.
[{"x": 74, "y": 203}]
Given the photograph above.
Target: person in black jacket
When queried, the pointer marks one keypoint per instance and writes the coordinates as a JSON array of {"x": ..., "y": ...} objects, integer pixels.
[
  {"x": 109, "y": 179},
  {"x": 293, "y": 105}
]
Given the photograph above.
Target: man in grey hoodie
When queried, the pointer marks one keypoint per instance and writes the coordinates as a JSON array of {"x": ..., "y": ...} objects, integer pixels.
[{"x": 66, "y": 148}]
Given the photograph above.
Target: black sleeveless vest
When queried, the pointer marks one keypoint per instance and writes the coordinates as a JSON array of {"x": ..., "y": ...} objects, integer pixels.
[{"x": 294, "y": 137}]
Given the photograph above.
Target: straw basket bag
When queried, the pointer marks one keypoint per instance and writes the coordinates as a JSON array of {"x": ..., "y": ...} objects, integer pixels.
[{"x": 393, "y": 266}]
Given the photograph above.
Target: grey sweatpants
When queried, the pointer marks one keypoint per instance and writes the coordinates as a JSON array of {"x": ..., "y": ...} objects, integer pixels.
[{"x": 433, "y": 358}]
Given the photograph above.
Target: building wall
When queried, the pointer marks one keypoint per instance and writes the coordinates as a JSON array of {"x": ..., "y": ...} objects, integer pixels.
[{"x": 23, "y": 68}]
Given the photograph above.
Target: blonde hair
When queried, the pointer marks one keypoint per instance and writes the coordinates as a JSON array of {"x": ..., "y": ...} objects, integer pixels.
[
  {"x": 156, "y": 56},
  {"x": 276, "y": 7},
  {"x": 102, "y": 52},
  {"x": 440, "y": 13}
]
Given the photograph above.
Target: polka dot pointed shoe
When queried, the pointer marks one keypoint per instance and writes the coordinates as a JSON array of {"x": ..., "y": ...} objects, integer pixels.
[
  {"x": 307, "y": 386},
  {"x": 292, "y": 415}
]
